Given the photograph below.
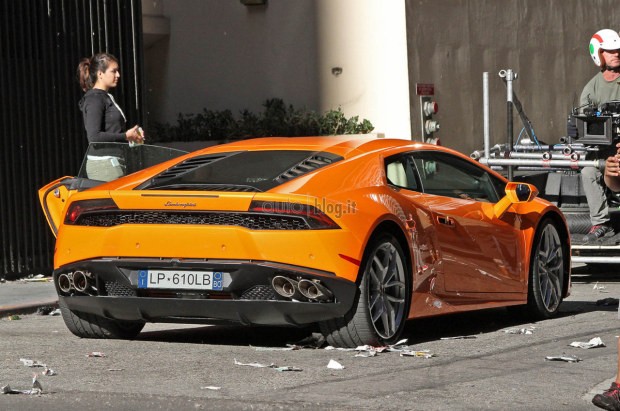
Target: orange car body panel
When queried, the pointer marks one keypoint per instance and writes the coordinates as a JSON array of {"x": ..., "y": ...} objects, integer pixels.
[{"x": 480, "y": 262}]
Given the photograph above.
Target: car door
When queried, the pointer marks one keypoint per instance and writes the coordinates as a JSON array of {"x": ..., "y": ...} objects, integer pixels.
[
  {"x": 478, "y": 252},
  {"x": 402, "y": 178}
]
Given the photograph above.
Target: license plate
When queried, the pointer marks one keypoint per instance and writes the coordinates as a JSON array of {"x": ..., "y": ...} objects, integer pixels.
[{"x": 183, "y": 280}]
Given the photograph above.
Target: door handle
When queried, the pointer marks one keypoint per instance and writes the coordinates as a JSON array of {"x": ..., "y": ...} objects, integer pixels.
[{"x": 445, "y": 220}]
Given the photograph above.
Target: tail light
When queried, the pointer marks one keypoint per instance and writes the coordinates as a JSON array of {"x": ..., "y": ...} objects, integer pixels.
[
  {"x": 316, "y": 219},
  {"x": 79, "y": 208}
]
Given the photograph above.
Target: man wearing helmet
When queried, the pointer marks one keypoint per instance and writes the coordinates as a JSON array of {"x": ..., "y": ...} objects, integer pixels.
[{"x": 602, "y": 88}]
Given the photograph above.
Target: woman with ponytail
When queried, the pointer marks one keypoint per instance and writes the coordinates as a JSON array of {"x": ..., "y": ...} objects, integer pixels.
[{"x": 103, "y": 118}]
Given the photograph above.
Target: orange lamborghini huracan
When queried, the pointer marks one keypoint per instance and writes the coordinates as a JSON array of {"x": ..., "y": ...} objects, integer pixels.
[{"x": 355, "y": 235}]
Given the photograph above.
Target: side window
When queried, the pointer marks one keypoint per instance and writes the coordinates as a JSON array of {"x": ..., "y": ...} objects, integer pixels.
[
  {"x": 399, "y": 171},
  {"x": 450, "y": 176}
]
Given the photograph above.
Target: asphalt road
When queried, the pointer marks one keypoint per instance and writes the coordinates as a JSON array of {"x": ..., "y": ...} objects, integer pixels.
[{"x": 170, "y": 366}]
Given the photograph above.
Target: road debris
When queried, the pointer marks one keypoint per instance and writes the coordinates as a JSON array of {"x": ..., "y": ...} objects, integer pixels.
[
  {"x": 565, "y": 358},
  {"x": 39, "y": 278},
  {"x": 593, "y": 343},
  {"x": 460, "y": 337},
  {"x": 287, "y": 368},
  {"x": 48, "y": 372},
  {"x": 599, "y": 287},
  {"x": 211, "y": 387},
  {"x": 335, "y": 365},
  {"x": 97, "y": 354},
  {"x": 418, "y": 353},
  {"x": 116, "y": 369},
  {"x": 14, "y": 317},
  {"x": 55, "y": 312},
  {"x": 526, "y": 331},
  {"x": 255, "y": 364},
  {"x": 367, "y": 353},
  {"x": 30, "y": 363},
  {"x": 45, "y": 310},
  {"x": 272, "y": 365},
  {"x": 37, "y": 388},
  {"x": 289, "y": 347}
]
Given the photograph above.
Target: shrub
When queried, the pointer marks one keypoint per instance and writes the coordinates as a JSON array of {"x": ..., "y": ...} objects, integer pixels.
[{"x": 277, "y": 119}]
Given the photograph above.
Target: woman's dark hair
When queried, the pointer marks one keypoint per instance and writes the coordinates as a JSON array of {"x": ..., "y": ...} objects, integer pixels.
[{"x": 88, "y": 68}]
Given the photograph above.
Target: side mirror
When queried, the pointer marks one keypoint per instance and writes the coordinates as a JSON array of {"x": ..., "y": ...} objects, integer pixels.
[{"x": 515, "y": 193}]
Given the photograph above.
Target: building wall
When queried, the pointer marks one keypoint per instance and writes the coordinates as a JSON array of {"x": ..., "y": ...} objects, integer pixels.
[
  {"x": 224, "y": 55},
  {"x": 366, "y": 40},
  {"x": 452, "y": 42}
]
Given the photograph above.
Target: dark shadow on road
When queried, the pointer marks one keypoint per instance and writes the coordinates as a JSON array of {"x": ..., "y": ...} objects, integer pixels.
[
  {"x": 490, "y": 320},
  {"x": 231, "y": 335},
  {"x": 416, "y": 331}
]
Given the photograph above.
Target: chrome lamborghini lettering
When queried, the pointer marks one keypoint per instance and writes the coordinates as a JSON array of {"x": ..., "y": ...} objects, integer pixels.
[{"x": 176, "y": 204}]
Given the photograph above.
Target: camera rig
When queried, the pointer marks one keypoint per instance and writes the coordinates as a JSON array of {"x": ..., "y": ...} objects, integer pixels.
[
  {"x": 555, "y": 168},
  {"x": 597, "y": 127}
]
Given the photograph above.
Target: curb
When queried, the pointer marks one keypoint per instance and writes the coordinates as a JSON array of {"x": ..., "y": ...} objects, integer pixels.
[{"x": 27, "y": 308}]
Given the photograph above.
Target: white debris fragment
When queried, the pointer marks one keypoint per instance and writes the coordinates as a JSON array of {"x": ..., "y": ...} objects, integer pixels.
[
  {"x": 526, "y": 331},
  {"x": 598, "y": 287},
  {"x": 460, "y": 337},
  {"x": 30, "y": 363},
  {"x": 287, "y": 368},
  {"x": 329, "y": 348},
  {"x": 6, "y": 389},
  {"x": 36, "y": 385},
  {"x": 48, "y": 372},
  {"x": 335, "y": 365},
  {"x": 211, "y": 387},
  {"x": 255, "y": 364},
  {"x": 55, "y": 312},
  {"x": 593, "y": 343},
  {"x": 289, "y": 347},
  {"x": 417, "y": 353},
  {"x": 97, "y": 354},
  {"x": 565, "y": 358},
  {"x": 367, "y": 353}
]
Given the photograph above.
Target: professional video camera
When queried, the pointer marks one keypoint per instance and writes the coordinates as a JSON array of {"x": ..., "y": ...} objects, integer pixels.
[{"x": 598, "y": 127}]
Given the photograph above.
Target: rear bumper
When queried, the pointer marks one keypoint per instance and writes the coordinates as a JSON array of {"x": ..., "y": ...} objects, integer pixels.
[
  {"x": 206, "y": 311},
  {"x": 248, "y": 299}
]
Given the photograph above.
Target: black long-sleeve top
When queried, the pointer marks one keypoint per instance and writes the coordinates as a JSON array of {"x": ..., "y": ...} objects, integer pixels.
[{"x": 102, "y": 119}]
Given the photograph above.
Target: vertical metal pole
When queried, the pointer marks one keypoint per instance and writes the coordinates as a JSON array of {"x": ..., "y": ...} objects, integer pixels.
[
  {"x": 509, "y": 78},
  {"x": 485, "y": 109}
]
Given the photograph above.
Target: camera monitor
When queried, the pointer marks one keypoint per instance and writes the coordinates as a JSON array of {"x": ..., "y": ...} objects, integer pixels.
[{"x": 594, "y": 130}]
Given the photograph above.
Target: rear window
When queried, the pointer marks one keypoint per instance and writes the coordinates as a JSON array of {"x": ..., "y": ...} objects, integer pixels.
[{"x": 240, "y": 171}]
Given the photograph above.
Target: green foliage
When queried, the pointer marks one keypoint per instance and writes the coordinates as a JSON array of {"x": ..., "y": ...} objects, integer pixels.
[{"x": 277, "y": 119}]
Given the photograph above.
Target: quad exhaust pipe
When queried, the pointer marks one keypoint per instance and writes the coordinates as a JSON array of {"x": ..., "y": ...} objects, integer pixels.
[
  {"x": 286, "y": 287},
  {"x": 65, "y": 282},
  {"x": 314, "y": 290},
  {"x": 301, "y": 290},
  {"x": 78, "y": 280}
]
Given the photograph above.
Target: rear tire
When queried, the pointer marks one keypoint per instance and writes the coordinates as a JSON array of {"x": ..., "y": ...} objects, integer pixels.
[
  {"x": 382, "y": 305},
  {"x": 546, "y": 279},
  {"x": 93, "y": 326}
]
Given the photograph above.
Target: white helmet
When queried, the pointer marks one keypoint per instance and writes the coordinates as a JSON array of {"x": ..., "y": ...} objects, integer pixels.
[{"x": 605, "y": 39}]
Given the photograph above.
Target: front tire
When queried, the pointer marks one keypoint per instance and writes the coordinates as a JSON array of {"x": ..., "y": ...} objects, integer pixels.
[
  {"x": 383, "y": 299},
  {"x": 93, "y": 326},
  {"x": 546, "y": 279}
]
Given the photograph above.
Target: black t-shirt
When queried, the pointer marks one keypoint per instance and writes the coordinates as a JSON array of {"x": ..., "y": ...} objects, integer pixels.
[{"x": 103, "y": 120}]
